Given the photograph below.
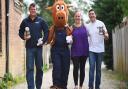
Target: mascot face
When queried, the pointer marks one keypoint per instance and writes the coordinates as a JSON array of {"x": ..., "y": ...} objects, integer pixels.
[
  {"x": 59, "y": 13},
  {"x": 60, "y": 19}
]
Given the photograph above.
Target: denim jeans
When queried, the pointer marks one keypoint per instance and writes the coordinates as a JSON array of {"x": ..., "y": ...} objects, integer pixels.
[
  {"x": 34, "y": 55},
  {"x": 61, "y": 66},
  {"x": 95, "y": 61}
]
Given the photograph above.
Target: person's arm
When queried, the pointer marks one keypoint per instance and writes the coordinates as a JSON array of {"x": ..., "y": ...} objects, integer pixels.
[
  {"x": 22, "y": 30},
  {"x": 106, "y": 35},
  {"x": 86, "y": 26},
  {"x": 45, "y": 31}
]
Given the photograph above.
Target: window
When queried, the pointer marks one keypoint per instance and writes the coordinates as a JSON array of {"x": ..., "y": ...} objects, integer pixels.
[{"x": 18, "y": 5}]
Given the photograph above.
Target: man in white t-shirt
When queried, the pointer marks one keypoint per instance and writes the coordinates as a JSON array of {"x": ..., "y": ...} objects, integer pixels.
[{"x": 97, "y": 33}]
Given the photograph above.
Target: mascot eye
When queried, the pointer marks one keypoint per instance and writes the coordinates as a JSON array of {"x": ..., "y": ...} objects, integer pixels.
[
  {"x": 62, "y": 7},
  {"x": 57, "y": 7}
]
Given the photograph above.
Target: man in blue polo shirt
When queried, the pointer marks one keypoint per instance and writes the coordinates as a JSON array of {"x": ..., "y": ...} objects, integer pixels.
[{"x": 31, "y": 30}]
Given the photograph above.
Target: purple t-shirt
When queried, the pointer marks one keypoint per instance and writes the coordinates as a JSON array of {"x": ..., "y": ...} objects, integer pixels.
[{"x": 80, "y": 46}]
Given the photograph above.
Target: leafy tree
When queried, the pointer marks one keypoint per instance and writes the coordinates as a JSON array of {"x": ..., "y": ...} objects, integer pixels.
[
  {"x": 78, "y": 5},
  {"x": 46, "y": 14},
  {"x": 42, "y": 5},
  {"x": 111, "y": 13},
  {"x": 124, "y": 5}
]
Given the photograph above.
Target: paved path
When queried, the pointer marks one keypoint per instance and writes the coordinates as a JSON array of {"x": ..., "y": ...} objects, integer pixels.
[{"x": 108, "y": 80}]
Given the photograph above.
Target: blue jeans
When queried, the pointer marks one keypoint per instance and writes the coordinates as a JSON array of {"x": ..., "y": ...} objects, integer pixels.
[
  {"x": 34, "y": 55},
  {"x": 95, "y": 60},
  {"x": 61, "y": 66}
]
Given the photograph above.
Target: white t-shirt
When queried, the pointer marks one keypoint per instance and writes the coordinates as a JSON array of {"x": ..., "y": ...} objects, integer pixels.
[{"x": 96, "y": 40}]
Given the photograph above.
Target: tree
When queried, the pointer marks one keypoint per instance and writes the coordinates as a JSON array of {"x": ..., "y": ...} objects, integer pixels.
[
  {"x": 111, "y": 13},
  {"x": 42, "y": 5},
  {"x": 124, "y": 6}
]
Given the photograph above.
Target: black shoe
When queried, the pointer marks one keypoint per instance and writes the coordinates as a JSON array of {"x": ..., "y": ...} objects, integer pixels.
[
  {"x": 53, "y": 87},
  {"x": 90, "y": 88}
]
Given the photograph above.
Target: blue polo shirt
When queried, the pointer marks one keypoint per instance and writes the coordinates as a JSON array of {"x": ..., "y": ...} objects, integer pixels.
[{"x": 38, "y": 28}]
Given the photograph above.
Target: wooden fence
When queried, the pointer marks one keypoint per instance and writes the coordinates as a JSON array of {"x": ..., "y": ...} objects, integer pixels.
[{"x": 120, "y": 48}]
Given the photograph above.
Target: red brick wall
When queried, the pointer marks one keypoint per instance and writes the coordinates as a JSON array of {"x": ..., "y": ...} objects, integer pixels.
[
  {"x": 0, "y": 30},
  {"x": 16, "y": 57},
  {"x": 16, "y": 45},
  {"x": 2, "y": 57}
]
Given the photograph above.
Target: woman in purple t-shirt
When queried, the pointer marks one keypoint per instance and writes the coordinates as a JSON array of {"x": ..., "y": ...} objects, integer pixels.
[{"x": 79, "y": 49}]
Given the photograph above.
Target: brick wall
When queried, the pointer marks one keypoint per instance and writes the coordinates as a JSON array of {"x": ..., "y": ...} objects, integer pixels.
[
  {"x": 16, "y": 57},
  {"x": 0, "y": 30},
  {"x": 2, "y": 56},
  {"x": 16, "y": 45}
]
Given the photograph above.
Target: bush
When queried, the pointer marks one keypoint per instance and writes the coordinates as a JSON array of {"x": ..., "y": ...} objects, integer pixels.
[
  {"x": 108, "y": 57},
  {"x": 7, "y": 81},
  {"x": 3, "y": 85}
]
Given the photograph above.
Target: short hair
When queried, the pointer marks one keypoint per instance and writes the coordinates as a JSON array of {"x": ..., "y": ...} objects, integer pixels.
[
  {"x": 90, "y": 10},
  {"x": 32, "y": 5}
]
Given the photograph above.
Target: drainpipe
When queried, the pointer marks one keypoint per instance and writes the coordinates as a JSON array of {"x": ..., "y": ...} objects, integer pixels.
[{"x": 7, "y": 35}]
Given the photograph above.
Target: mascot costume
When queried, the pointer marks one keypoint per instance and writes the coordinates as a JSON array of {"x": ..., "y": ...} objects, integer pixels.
[{"x": 59, "y": 38}]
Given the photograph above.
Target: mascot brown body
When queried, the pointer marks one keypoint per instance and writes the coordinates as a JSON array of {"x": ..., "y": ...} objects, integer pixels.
[{"x": 60, "y": 53}]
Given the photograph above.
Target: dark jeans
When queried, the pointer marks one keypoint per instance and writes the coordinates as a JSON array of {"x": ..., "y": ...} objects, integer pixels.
[
  {"x": 95, "y": 60},
  {"x": 79, "y": 62},
  {"x": 34, "y": 55},
  {"x": 61, "y": 65}
]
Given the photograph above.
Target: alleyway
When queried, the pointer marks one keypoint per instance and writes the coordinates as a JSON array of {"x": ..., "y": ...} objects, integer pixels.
[{"x": 108, "y": 80}]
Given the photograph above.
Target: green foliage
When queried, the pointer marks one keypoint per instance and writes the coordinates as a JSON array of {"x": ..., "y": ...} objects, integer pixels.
[
  {"x": 111, "y": 13},
  {"x": 25, "y": 9},
  {"x": 7, "y": 81},
  {"x": 42, "y": 4},
  {"x": 45, "y": 14},
  {"x": 8, "y": 77},
  {"x": 123, "y": 78},
  {"x": 71, "y": 19},
  {"x": 124, "y": 5},
  {"x": 45, "y": 68},
  {"x": 3, "y": 85}
]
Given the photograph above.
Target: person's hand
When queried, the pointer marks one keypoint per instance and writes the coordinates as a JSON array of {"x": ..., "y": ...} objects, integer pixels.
[
  {"x": 27, "y": 37},
  {"x": 106, "y": 36},
  {"x": 66, "y": 25},
  {"x": 69, "y": 39},
  {"x": 40, "y": 42}
]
